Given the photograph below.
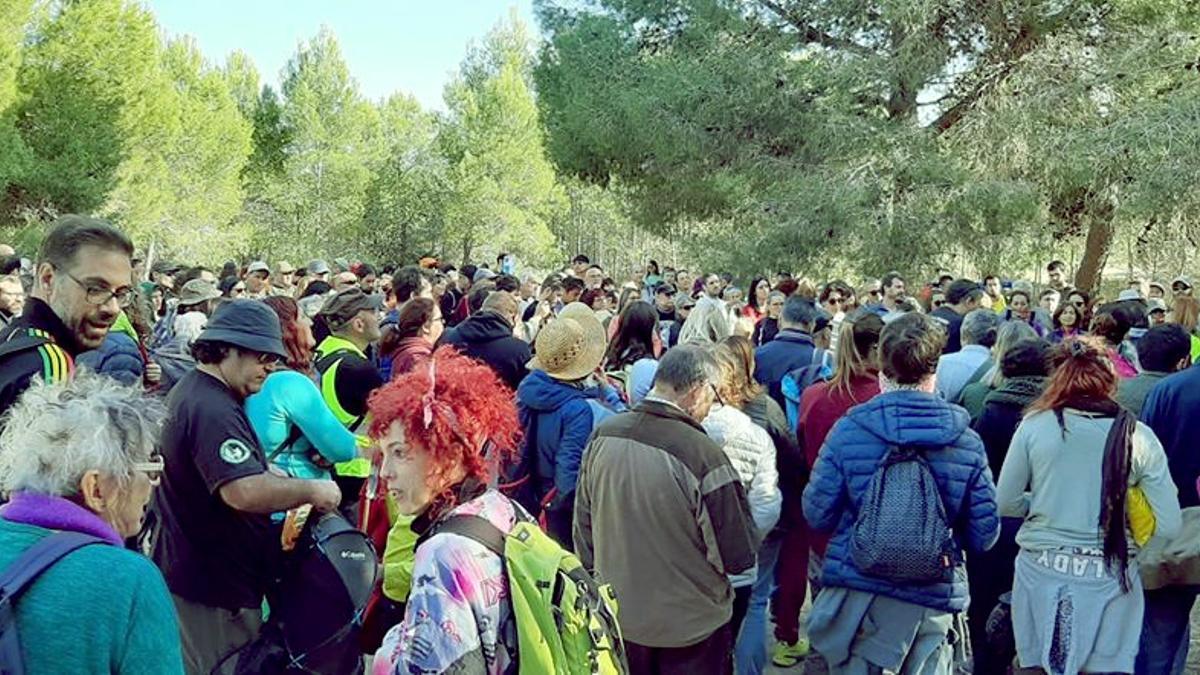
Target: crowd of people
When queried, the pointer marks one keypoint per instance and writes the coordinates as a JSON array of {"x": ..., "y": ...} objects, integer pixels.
[{"x": 985, "y": 474}]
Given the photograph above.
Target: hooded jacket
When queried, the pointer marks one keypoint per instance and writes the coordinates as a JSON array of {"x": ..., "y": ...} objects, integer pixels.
[
  {"x": 488, "y": 337},
  {"x": 558, "y": 418},
  {"x": 1003, "y": 409},
  {"x": 119, "y": 356},
  {"x": 791, "y": 349},
  {"x": 848, "y": 461}
]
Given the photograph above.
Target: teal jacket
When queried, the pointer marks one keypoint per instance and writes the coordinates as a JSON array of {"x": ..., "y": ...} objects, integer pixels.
[
  {"x": 290, "y": 399},
  {"x": 102, "y": 609}
]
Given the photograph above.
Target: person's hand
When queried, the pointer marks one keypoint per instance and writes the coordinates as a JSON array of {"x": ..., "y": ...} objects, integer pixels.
[
  {"x": 325, "y": 495},
  {"x": 153, "y": 375}
]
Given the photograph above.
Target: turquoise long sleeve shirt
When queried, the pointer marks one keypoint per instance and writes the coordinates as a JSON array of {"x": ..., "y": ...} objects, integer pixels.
[{"x": 289, "y": 399}]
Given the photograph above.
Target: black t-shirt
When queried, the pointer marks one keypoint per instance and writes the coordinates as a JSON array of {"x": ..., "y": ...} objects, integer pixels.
[
  {"x": 209, "y": 552},
  {"x": 952, "y": 321},
  {"x": 664, "y": 317}
]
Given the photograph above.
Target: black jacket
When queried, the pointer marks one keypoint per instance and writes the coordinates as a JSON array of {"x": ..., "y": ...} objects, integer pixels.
[
  {"x": 1003, "y": 410},
  {"x": 51, "y": 353},
  {"x": 488, "y": 337}
]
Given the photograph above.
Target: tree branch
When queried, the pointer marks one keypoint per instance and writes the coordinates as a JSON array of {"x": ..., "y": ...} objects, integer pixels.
[{"x": 810, "y": 33}]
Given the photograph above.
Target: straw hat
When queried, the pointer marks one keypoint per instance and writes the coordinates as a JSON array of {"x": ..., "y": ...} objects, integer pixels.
[{"x": 571, "y": 346}]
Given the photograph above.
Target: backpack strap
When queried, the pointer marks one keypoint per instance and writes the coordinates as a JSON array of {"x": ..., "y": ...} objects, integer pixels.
[
  {"x": 293, "y": 436},
  {"x": 476, "y": 528},
  {"x": 24, "y": 571},
  {"x": 18, "y": 342}
]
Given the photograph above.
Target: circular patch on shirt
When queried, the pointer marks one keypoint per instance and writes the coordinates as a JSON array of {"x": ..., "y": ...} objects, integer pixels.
[{"x": 234, "y": 451}]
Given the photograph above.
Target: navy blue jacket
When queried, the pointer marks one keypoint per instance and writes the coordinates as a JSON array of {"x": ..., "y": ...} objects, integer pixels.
[
  {"x": 488, "y": 337},
  {"x": 843, "y": 472},
  {"x": 1172, "y": 410},
  {"x": 791, "y": 349},
  {"x": 558, "y": 419},
  {"x": 117, "y": 357}
]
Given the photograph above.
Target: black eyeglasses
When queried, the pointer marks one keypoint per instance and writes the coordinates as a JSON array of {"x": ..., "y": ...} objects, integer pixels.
[
  {"x": 98, "y": 295},
  {"x": 716, "y": 394}
]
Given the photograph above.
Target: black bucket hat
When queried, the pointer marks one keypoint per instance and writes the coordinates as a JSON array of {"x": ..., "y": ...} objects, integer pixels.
[{"x": 246, "y": 324}]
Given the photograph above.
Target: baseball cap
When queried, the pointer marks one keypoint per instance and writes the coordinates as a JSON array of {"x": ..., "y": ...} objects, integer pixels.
[
  {"x": 285, "y": 267},
  {"x": 481, "y": 274},
  {"x": 1128, "y": 294},
  {"x": 665, "y": 288},
  {"x": 246, "y": 324},
  {"x": 684, "y": 301},
  {"x": 318, "y": 267},
  {"x": 1156, "y": 305},
  {"x": 1182, "y": 279},
  {"x": 340, "y": 309},
  {"x": 258, "y": 266}
]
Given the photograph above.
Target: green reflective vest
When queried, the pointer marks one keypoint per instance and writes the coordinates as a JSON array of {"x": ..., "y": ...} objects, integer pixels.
[{"x": 329, "y": 358}]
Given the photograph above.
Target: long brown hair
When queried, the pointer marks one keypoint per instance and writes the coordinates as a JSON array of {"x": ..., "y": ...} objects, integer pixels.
[
  {"x": 736, "y": 353},
  {"x": 1186, "y": 313},
  {"x": 857, "y": 354},
  {"x": 1084, "y": 379}
]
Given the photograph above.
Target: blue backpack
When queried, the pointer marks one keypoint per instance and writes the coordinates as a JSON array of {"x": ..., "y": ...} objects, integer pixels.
[{"x": 799, "y": 379}]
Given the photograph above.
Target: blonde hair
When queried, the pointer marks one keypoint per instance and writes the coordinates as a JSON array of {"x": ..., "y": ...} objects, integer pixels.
[
  {"x": 857, "y": 354},
  {"x": 1010, "y": 333}
]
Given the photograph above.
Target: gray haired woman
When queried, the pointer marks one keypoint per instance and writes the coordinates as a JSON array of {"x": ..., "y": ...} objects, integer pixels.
[{"x": 78, "y": 457}]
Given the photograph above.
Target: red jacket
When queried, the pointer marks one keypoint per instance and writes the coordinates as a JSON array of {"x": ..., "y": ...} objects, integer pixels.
[{"x": 820, "y": 408}]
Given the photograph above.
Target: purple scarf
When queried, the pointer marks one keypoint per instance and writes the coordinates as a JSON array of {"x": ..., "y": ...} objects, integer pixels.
[{"x": 57, "y": 513}]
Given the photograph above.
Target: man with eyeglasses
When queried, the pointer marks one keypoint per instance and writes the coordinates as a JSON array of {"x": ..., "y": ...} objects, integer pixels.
[
  {"x": 217, "y": 545},
  {"x": 83, "y": 280}
]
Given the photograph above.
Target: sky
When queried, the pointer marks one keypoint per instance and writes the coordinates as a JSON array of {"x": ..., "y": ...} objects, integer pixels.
[{"x": 411, "y": 46}]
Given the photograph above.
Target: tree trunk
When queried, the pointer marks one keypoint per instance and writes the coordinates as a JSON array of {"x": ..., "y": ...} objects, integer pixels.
[{"x": 1101, "y": 233}]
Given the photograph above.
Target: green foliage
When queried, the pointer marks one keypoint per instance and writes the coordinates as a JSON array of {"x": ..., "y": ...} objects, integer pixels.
[
  {"x": 819, "y": 134},
  {"x": 504, "y": 192}
]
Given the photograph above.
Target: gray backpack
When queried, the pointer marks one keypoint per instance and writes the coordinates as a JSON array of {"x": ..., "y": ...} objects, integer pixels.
[{"x": 901, "y": 532}]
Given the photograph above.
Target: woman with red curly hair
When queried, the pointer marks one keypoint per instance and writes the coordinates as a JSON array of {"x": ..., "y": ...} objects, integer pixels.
[
  {"x": 443, "y": 429},
  {"x": 295, "y": 426}
]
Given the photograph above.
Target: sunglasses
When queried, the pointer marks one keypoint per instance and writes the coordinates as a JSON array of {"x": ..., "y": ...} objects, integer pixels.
[
  {"x": 152, "y": 468},
  {"x": 268, "y": 360},
  {"x": 239, "y": 291},
  {"x": 874, "y": 294},
  {"x": 835, "y": 301}
]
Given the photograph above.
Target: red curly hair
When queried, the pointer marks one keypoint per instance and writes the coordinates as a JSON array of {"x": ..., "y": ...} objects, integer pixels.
[
  {"x": 468, "y": 403},
  {"x": 299, "y": 354}
]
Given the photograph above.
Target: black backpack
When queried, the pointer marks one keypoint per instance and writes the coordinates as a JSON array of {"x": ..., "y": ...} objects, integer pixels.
[
  {"x": 317, "y": 603},
  {"x": 901, "y": 532},
  {"x": 17, "y": 577}
]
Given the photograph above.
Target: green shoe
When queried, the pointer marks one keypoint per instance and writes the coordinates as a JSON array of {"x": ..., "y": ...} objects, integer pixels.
[{"x": 788, "y": 655}]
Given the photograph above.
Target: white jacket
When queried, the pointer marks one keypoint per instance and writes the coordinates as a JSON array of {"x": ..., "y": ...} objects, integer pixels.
[
  {"x": 708, "y": 322},
  {"x": 752, "y": 454}
]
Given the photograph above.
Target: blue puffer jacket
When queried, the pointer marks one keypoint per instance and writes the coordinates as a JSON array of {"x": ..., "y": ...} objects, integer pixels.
[
  {"x": 117, "y": 357},
  {"x": 565, "y": 416},
  {"x": 848, "y": 460}
]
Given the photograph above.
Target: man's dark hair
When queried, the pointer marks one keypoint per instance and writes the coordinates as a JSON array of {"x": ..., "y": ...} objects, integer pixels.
[
  {"x": 963, "y": 290},
  {"x": 500, "y": 259},
  {"x": 581, "y": 259},
  {"x": 210, "y": 352},
  {"x": 798, "y": 311},
  {"x": 447, "y": 268},
  {"x": 886, "y": 281},
  {"x": 572, "y": 284},
  {"x": 189, "y": 274},
  {"x": 944, "y": 278},
  {"x": 1029, "y": 357},
  {"x": 727, "y": 277},
  {"x": 507, "y": 282},
  {"x": 365, "y": 270},
  {"x": 406, "y": 282},
  {"x": 909, "y": 348},
  {"x": 468, "y": 271},
  {"x": 594, "y": 266},
  {"x": 70, "y": 233},
  {"x": 1163, "y": 347},
  {"x": 317, "y": 287},
  {"x": 1056, "y": 265},
  {"x": 10, "y": 265},
  {"x": 388, "y": 268},
  {"x": 990, "y": 276},
  {"x": 479, "y": 293}
]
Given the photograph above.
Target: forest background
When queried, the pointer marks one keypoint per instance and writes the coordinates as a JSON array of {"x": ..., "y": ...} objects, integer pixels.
[{"x": 825, "y": 137}]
